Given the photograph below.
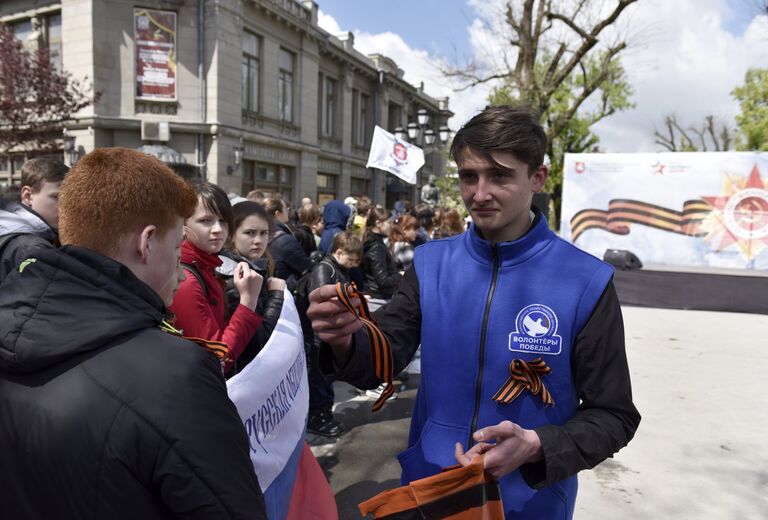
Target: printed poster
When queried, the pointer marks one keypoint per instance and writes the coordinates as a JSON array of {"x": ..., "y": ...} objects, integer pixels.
[{"x": 155, "y": 49}]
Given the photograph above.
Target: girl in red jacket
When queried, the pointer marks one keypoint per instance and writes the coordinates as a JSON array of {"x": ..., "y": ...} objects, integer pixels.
[{"x": 199, "y": 304}]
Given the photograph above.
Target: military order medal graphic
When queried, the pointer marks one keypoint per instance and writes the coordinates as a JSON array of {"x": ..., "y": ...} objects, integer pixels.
[{"x": 739, "y": 216}]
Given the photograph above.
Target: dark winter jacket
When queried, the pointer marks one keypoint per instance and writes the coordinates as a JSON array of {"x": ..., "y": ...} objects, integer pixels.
[
  {"x": 26, "y": 232},
  {"x": 269, "y": 305},
  {"x": 290, "y": 260},
  {"x": 306, "y": 238},
  {"x": 103, "y": 414},
  {"x": 380, "y": 267},
  {"x": 335, "y": 217}
]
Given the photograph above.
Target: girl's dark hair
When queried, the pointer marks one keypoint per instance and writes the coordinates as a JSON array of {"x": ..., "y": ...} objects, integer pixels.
[
  {"x": 240, "y": 212},
  {"x": 272, "y": 205},
  {"x": 309, "y": 214},
  {"x": 397, "y": 234},
  {"x": 215, "y": 200},
  {"x": 508, "y": 128},
  {"x": 243, "y": 210},
  {"x": 376, "y": 213}
]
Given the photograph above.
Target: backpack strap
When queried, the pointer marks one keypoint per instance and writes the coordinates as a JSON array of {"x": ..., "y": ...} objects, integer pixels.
[{"x": 192, "y": 268}]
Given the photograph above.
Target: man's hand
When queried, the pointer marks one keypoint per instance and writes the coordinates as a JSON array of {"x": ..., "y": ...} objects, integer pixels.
[
  {"x": 507, "y": 446},
  {"x": 332, "y": 322}
]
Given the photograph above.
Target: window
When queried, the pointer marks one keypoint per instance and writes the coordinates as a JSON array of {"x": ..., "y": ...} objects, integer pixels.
[
  {"x": 326, "y": 188},
  {"x": 43, "y": 30},
  {"x": 23, "y": 32},
  {"x": 329, "y": 109},
  {"x": 267, "y": 178},
  {"x": 285, "y": 86},
  {"x": 394, "y": 117},
  {"x": 54, "y": 40},
  {"x": 361, "y": 129},
  {"x": 251, "y": 47},
  {"x": 358, "y": 187}
]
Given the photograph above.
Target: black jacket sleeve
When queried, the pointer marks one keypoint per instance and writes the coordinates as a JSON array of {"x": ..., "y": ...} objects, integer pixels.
[
  {"x": 271, "y": 311},
  {"x": 606, "y": 419},
  {"x": 18, "y": 249},
  {"x": 380, "y": 266},
  {"x": 292, "y": 256},
  {"x": 399, "y": 320}
]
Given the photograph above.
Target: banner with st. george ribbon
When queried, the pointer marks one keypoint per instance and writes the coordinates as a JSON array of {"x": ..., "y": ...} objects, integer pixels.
[
  {"x": 684, "y": 209},
  {"x": 272, "y": 397}
]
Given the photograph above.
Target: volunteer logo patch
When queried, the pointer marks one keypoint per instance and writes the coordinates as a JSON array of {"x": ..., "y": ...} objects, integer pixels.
[{"x": 536, "y": 331}]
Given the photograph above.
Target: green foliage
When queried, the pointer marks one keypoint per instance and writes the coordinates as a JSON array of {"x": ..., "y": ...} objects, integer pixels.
[
  {"x": 573, "y": 135},
  {"x": 450, "y": 193},
  {"x": 753, "y": 119}
]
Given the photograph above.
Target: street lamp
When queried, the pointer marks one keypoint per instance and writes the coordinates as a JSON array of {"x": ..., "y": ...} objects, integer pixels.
[
  {"x": 445, "y": 133},
  {"x": 400, "y": 133},
  {"x": 419, "y": 133},
  {"x": 70, "y": 152},
  {"x": 422, "y": 116},
  {"x": 238, "y": 150}
]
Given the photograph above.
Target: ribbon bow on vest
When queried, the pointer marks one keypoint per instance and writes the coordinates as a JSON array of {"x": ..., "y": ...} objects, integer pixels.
[
  {"x": 381, "y": 351},
  {"x": 525, "y": 376}
]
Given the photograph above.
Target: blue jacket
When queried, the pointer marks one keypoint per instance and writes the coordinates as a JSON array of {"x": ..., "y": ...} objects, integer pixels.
[
  {"x": 483, "y": 306},
  {"x": 335, "y": 217}
]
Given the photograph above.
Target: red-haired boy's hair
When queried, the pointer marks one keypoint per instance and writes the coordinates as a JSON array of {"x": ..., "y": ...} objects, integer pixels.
[{"x": 114, "y": 191}]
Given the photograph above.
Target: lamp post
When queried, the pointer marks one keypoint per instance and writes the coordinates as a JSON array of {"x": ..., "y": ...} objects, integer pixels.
[
  {"x": 418, "y": 133},
  {"x": 70, "y": 152}
]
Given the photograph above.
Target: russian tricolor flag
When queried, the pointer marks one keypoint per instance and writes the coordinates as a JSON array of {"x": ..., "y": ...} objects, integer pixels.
[{"x": 272, "y": 397}]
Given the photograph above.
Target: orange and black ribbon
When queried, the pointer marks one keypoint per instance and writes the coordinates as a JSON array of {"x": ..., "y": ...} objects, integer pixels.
[
  {"x": 623, "y": 212},
  {"x": 217, "y": 348},
  {"x": 525, "y": 376},
  {"x": 381, "y": 351}
]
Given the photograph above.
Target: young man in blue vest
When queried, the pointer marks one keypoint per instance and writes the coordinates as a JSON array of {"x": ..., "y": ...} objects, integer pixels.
[{"x": 505, "y": 301}]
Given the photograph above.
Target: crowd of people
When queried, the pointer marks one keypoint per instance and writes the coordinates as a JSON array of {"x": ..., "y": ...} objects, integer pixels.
[{"x": 99, "y": 290}]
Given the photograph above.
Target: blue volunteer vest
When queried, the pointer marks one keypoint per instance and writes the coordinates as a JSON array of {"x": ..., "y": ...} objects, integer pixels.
[{"x": 482, "y": 306}]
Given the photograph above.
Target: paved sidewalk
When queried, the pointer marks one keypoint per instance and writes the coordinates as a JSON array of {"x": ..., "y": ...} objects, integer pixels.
[{"x": 699, "y": 380}]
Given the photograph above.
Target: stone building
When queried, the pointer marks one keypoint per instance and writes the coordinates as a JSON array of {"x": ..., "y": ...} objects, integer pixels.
[{"x": 252, "y": 94}]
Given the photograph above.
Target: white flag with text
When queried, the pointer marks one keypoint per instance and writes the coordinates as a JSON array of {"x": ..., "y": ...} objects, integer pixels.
[{"x": 398, "y": 157}]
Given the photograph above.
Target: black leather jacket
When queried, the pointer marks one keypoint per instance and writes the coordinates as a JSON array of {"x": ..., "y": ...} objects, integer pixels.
[
  {"x": 268, "y": 306},
  {"x": 380, "y": 267},
  {"x": 290, "y": 259}
]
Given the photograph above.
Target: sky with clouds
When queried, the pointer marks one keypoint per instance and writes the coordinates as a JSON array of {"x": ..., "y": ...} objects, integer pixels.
[{"x": 685, "y": 58}]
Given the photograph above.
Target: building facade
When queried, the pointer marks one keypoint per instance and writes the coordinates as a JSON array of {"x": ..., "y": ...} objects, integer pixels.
[{"x": 252, "y": 94}]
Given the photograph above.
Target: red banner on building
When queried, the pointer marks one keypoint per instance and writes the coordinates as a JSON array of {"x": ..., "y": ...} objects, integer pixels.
[{"x": 155, "y": 49}]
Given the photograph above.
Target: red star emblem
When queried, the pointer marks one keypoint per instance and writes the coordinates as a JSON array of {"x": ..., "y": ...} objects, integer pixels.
[{"x": 739, "y": 215}]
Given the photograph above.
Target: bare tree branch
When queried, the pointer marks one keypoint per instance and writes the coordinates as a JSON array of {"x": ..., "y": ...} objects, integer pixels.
[{"x": 587, "y": 44}]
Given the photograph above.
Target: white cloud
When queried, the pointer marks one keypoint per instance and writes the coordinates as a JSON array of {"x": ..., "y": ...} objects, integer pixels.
[
  {"x": 418, "y": 65},
  {"x": 681, "y": 61},
  {"x": 687, "y": 66}
]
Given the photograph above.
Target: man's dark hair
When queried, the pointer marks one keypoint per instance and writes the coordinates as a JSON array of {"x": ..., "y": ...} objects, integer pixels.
[
  {"x": 424, "y": 213},
  {"x": 507, "y": 128},
  {"x": 36, "y": 171}
]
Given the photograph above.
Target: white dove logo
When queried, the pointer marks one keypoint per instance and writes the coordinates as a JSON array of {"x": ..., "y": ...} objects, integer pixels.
[
  {"x": 535, "y": 328},
  {"x": 536, "y": 331}
]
